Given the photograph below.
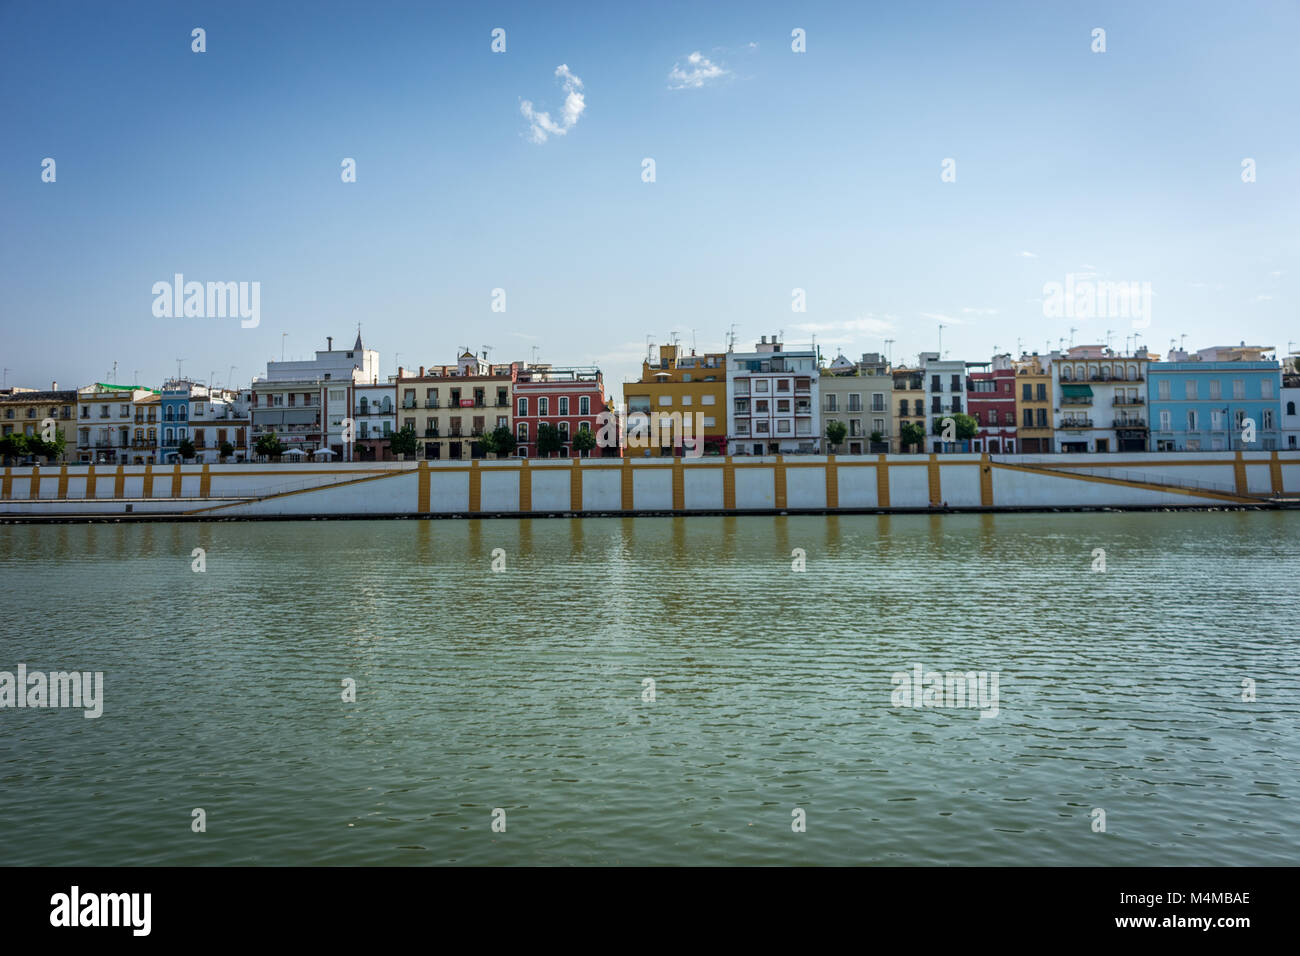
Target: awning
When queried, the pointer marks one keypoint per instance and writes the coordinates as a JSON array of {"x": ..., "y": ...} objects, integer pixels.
[{"x": 1076, "y": 391}]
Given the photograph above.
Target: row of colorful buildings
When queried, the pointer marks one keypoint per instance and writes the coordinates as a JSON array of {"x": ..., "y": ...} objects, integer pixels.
[{"x": 774, "y": 399}]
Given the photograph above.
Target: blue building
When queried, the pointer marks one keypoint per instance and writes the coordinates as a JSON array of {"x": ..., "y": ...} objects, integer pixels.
[
  {"x": 1205, "y": 405},
  {"x": 175, "y": 425}
]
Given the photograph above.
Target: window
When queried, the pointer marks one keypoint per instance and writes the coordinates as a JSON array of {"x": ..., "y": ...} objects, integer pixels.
[
  {"x": 686, "y": 400},
  {"x": 783, "y": 428},
  {"x": 831, "y": 401},
  {"x": 1216, "y": 389},
  {"x": 523, "y": 407},
  {"x": 709, "y": 421},
  {"x": 708, "y": 399},
  {"x": 1066, "y": 374},
  {"x": 564, "y": 404},
  {"x": 760, "y": 406},
  {"x": 760, "y": 385},
  {"x": 665, "y": 401},
  {"x": 1042, "y": 392},
  {"x": 1266, "y": 388},
  {"x": 783, "y": 406},
  {"x": 1216, "y": 418},
  {"x": 584, "y": 405},
  {"x": 1290, "y": 408},
  {"x": 877, "y": 402},
  {"x": 1191, "y": 421},
  {"x": 1162, "y": 389},
  {"x": 336, "y": 394},
  {"x": 523, "y": 428},
  {"x": 1189, "y": 388},
  {"x": 1165, "y": 420},
  {"x": 1028, "y": 416},
  {"x": 1268, "y": 418},
  {"x": 544, "y": 406},
  {"x": 1238, "y": 388},
  {"x": 1042, "y": 418},
  {"x": 564, "y": 431}
]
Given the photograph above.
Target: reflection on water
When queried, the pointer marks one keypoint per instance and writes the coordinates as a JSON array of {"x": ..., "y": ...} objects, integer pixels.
[{"x": 522, "y": 690}]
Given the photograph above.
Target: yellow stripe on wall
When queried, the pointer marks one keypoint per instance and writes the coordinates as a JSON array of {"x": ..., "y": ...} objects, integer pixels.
[
  {"x": 7, "y": 487},
  {"x": 176, "y": 481},
  {"x": 1275, "y": 473},
  {"x": 779, "y": 481},
  {"x": 1239, "y": 472},
  {"x": 422, "y": 494},
  {"x": 679, "y": 485},
  {"x": 936, "y": 484},
  {"x": 729, "y": 484},
  {"x": 90, "y": 481},
  {"x": 882, "y": 482},
  {"x": 63, "y": 481},
  {"x": 205, "y": 483},
  {"x": 575, "y": 485},
  {"x": 525, "y": 486},
  {"x": 832, "y": 482},
  {"x": 629, "y": 485},
  {"x": 119, "y": 482},
  {"x": 986, "y": 482},
  {"x": 475, "y": 487},
  {"x": 35, "y": 490}
]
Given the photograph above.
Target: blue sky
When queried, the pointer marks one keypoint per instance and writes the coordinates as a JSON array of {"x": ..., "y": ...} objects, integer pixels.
[{"x": 779, "y": 170}]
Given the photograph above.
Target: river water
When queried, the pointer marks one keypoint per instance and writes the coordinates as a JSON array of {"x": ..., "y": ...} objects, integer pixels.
[{"x": 527, "y": 691}]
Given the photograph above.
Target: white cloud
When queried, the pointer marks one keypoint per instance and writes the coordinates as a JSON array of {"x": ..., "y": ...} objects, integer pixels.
[
  {"x": 541, "y": 125},
  {"x": 940, "y": 317},
  {"x": 969, "y": 311},
  {"x": 1276, "y": 274},
  {"x": 868, "y": 323},
  {"x": 699, "y": 69},
  {"x": 1027, "y": 255},
  {"x": 1263, "y": 298}
]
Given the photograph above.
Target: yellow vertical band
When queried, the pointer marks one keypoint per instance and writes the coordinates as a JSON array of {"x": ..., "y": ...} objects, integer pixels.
[
  {"x": 205, "y": 483},
  {"x": 119, "y": 482},
  {"x": 882, "y": 482},
  {"x": 986, "y": 482},
  {"x": 422, "y": 493},
  {"x": 629, "y": 485},
  {"x": 832, "y": 482},
  {"x": 575, "y": 485},
  {"x": 176, "y": 481},
  {"x": 1239, "y": 472},
  {"x": 525, "y": 486},
  {"x": 679, "y": 485},
  {"x": 729, "y": 484},
  {"x": 936, "y": 486},
  {"x": 778, "y": 481},
  {"x": 148, "y": 480},
  {"x": 7, "y": 487},
  {"x": 1275, "y": 473},
  {"x": 475, "y": 487},
  {"x": 90, "y": 481},
  {"x": 63, "y": 481},
  {"x": 35, "y": 490}
]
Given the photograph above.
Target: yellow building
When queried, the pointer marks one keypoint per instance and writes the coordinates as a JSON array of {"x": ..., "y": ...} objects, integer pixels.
[
  {"x": 452, "y": 406},
  {"x": 687, "y": 385},
  {"x": 24, "y": 411},
  {"x": 908, "y": 403},
  {"x": 1034, "y": 430}
]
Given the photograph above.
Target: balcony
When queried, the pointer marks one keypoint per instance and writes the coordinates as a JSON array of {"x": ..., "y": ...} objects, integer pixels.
[
  {"x": 409, "y": 403},
  {"x": 430, "y": 403},
  {"x": 1128, "y": 400},
  {"x": 1076, "y": 423},
  {"x": 1129, "y": 423},
  {"x": 1077, "y": 400},
  {"x": 431, "y": 433}
]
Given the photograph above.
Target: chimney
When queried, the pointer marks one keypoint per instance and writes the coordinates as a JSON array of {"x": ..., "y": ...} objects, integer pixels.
[
  {"x": 401, "y": 372},
  {"x": 764, "y": 341},
  {"x": 329, "y": 343},
  {"x": 421, "y": 371},
  {"x": 54, "y": 386}
]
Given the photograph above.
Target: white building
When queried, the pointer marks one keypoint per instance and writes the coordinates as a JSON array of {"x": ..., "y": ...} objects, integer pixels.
[
  {"x": 375, "y": 418},
  {"x": 773, "y": 401},
  {"x": 1099, "y": 399},
  {"x": 1290, "y": 409},
  {"x": 945, "y": 381}
]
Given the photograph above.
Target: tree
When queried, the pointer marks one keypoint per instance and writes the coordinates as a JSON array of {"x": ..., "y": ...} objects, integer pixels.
[
  {"x": 548, "y": 440},
  {"x": 877, "y": 438},
  {"x": 269, "y": 445},
  {"x": 13, "y": 446},
  {"x": 910, "y": 433},
  {"x": 503, "y": 441},
  {"x": 584, "y": 441},
  {"x": 404, "y": 441},
  {"x": 965, "y": 426},
  {"x": 185, "y": 449},
  {"x": 227, "y": 450},
  {"x": 835, "y": 432}
]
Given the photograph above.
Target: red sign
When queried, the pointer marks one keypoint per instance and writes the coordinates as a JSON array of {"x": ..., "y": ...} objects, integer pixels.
[{"x": 467, "y": 403}]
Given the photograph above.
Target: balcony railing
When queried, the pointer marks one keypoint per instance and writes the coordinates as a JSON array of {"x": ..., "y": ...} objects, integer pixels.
[
  {"x": 1077, "y": 400},
  {"x": 1128, "y": 400},
  {"x": 430, "y": 403},
  {"x": 1129, "y": 423},
  {"x": 1076, "y": 423}
]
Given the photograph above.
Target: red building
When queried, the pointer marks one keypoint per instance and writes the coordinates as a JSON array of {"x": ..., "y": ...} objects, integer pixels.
[
  {"x": 991, "y": 399},
  {"x": 569, "y": 399}
]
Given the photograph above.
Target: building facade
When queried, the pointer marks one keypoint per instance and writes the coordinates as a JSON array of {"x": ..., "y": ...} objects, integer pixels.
[
  {"x": 1034, "y": 406},
  {"x": 24, "y": 411},
  {"x": 451, "y": 406},
  {"x": 945, "y": 382},
  {"x": 859, "y": 395},
  {"x": 1100, "y": 397},
  {"x": 117, "y": 424},
  {"x": 773, "y": 400},
  {"x": 909, "y": 405},
  {"x": 374, "y": 421},
  {"x": 1206, "y": 405},
  {"x": 1289, "y": 407},
  {"x": 567, "y": 399},
  {"x": 674, "y": 384},
  {"x": 991, "y": 401}
]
